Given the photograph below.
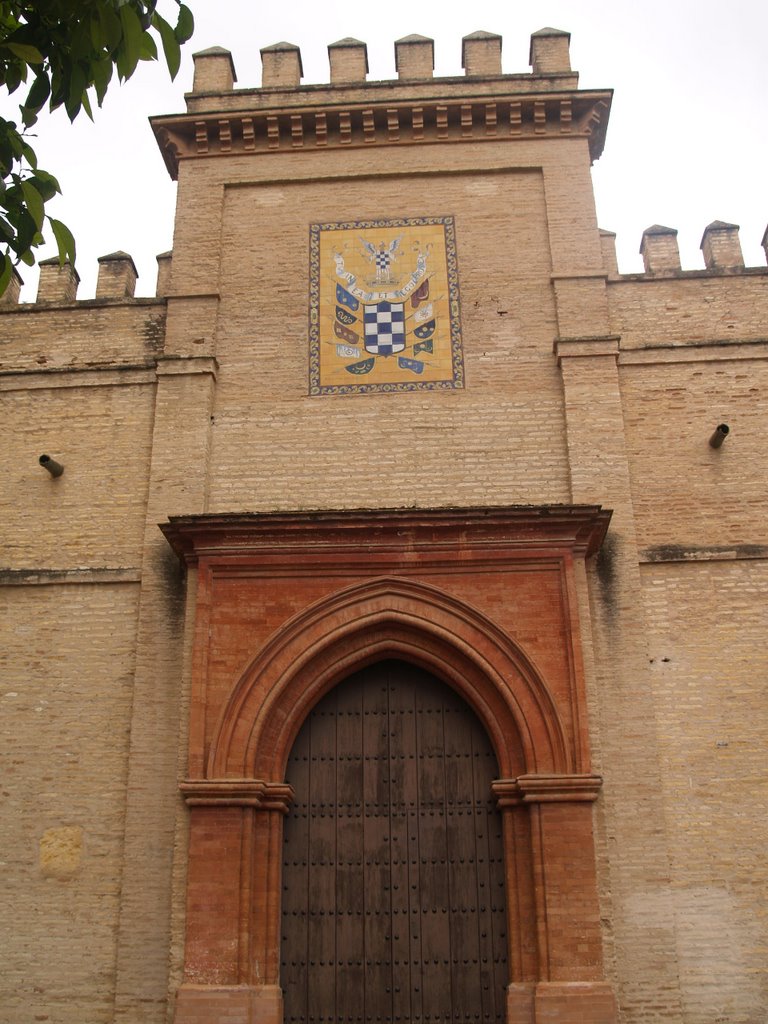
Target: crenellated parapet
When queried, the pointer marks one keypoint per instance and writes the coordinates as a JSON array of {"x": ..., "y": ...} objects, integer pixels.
[
  {"x": 58, "y": 334},
  {"x": 285, "y": 115},
  {"x": 117, "y": 276},
  {"x": 58, "y": 282},
  {"x": 667, "y": 314},
  {"x": 720, "y": 246}
]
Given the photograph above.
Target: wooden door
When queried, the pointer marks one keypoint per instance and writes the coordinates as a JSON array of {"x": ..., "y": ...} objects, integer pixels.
[{"x": 393, "y": 893}]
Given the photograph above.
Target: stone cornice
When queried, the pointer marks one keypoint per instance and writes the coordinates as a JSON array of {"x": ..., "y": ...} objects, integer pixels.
[
  {"x": 109, "y": 375},
  {"x": 264, "y": 796},
  {"x": 36, "y": 577},
  {"x": 186, "y": 365},
  {"x": 393, "y": 122},
  {"x": 83, "y": 305},
  {"x": 598, "y": 346},
  {"x": 717, "y": 350},
  {"x": 308, "y": 536}
]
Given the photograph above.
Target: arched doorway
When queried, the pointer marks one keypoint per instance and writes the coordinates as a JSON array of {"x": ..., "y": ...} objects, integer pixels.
[
  {"x": 436, "y": 576},
  {"x": 393, "y": 902}
]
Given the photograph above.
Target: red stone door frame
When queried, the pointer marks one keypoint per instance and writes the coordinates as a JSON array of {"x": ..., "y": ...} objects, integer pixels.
[{"x": 288, "y": 605}]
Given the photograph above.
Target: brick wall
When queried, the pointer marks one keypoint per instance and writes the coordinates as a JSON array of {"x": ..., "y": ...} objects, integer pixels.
[
  {"x": 275, "y": 447},
  {"x": 199, "y": 403},
  {"x": 693, "y": 356},
  {"x": 67, "y": 665},
  {"x": 708, "y": 663}
]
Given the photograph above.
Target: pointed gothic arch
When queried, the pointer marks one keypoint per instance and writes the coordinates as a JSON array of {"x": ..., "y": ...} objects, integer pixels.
[
  {"x": 388, "y": 617},
  {"x": 378, "y": 572}
]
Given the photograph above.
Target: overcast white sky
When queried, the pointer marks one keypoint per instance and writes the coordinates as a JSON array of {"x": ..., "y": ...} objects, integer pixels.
[{"x": 687, "y": 139}]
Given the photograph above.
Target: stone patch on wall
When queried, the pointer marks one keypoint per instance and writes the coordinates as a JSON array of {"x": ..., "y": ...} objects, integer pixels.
[
  {"x": 61, "y": 851},
  {"x": 384, "y": 306}
]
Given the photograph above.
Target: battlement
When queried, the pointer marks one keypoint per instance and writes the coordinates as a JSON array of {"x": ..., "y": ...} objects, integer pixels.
[
  {"x": 282, "y": 66},
  {"x": 285, "y": 115},
  {"x": 720, "y": 245},
  {"x": 116, "y": 282}
]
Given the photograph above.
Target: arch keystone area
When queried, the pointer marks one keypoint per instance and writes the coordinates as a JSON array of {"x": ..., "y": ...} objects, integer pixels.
[{"x": 388, "y": 616}]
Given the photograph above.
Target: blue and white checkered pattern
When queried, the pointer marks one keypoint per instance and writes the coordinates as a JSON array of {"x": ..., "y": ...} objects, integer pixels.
[{"x": 384, "y": 326}]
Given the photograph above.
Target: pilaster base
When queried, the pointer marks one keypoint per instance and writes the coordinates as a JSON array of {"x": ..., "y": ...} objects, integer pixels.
[
  {"x": 235, "y": 1004},
  {"x": 561, "y": 1002}
]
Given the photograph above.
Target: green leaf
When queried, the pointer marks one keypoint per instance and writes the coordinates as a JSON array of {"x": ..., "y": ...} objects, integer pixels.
[
  {"x": 29, "y": 154},
  {"x": 170, "y": 43},
  {"x": 47, "y": 179},
  {"x": 130, "y": 52},
  {"x": 111, "y": 29},
  {"x": 185, "y": 26},
  {"x": 14, "y": 76},
  {"x": 5, "y": 273},
  {"x": 58, "y": 90},
  {"x": 28, "y": 116},
  {"x": 97, "y": 29},
  {"x": 64, "y": 240},
  {"x": 45, "y": 184},
  {"x": 39, "y": 92},
  {"x": 75, "y": 93},
  {"x": 27, "y": 258},
  {"x": 34, "y": 201},
  {"x": 6, "y": 151},
  {"x": 148, "y": 47},
  {"x": 86, "y": 102},
  {"x": 17, "y": 144},
  {"x": 102, "y": 75},
  {"x": 29, "y": 54}
]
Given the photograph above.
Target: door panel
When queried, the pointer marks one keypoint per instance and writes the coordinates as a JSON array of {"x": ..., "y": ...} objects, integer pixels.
[{"x": 393, "y": 894}]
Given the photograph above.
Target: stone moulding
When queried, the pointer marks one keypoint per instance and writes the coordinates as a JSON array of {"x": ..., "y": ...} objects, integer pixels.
[
  {"x": 384, "y": 616},
  {"x": 273, "y": 796},
  {"x": 528, "y": 789},
  {"x": 313, "y": 534},
  {"x": 269, "y": 796},
  {"x": 386, "y": 611},
  {"x": 459, "y": 119}
]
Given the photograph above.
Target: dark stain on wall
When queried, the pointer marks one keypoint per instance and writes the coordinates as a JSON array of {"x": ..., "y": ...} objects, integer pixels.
[{"x": 605, "y": 565}]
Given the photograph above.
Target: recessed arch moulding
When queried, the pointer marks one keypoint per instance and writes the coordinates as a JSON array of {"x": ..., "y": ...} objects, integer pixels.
[{"x": 288, "y": 605}]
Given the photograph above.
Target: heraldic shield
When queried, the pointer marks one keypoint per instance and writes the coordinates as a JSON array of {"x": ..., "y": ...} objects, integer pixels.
[
  {"x": 384, "y": 328},
  {"x": 384, "y": 306}
]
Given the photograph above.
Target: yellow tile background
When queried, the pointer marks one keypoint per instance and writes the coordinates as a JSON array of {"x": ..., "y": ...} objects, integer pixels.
[{"x": 429, "y": 239}]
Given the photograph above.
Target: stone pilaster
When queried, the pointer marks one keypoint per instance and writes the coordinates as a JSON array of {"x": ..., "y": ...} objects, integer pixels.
[
  {"x": 178, "y": 481},
  {"x": 232, "y": 970},
  {"x": 624, "y": 728}
]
